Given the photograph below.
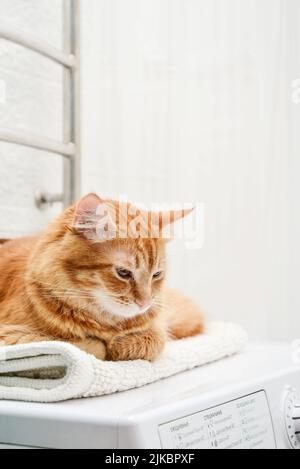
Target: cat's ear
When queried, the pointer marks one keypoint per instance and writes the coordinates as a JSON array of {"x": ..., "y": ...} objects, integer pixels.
[
  {"x": 162, "y": 223},
  {"x": 93, "y": 219},
  {"x": 168, "y": 221},
  {"x": 169, "y": 218},
  {"x": 86, "y": 210}
]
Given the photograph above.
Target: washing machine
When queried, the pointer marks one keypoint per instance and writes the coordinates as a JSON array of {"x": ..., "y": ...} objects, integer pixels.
[{"x": 248, "y": 401}]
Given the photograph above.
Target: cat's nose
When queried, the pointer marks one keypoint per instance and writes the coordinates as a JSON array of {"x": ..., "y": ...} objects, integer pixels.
[{"x": 143, "y": 304}]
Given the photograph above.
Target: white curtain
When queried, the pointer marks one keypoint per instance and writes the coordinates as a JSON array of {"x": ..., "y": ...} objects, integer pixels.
[{"x": 191, "y": 101}]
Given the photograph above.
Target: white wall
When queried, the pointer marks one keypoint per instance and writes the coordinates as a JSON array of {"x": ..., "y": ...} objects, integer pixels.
[
  {"x": 190, "y": 100},
  {"x": 33, "y": 103}
]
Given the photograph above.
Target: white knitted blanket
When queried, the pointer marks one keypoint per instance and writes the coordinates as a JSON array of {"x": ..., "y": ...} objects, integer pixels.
[{"x": 55, "y": 371}]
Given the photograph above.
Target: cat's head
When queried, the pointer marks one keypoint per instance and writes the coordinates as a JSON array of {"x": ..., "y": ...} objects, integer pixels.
[{"x": 115, "y": 254}]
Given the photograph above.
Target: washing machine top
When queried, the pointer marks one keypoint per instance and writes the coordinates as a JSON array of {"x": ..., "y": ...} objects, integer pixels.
[{"x": 236, "y": 402}]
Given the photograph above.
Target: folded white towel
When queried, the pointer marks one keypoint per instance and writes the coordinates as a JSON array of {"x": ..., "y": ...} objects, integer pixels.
[{"x": 56, "y": 371}]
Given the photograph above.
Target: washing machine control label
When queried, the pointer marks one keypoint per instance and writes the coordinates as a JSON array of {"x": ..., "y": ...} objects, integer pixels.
[{"x": 245, "y": 423}]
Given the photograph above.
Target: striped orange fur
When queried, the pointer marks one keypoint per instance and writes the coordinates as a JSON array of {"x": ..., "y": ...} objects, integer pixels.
[{"x": 108, "y": 297}]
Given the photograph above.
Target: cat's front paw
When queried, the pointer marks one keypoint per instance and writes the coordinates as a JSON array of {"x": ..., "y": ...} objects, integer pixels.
[
  {"x": 145, "y": 345},
  {"x": 93, "y": 347}
]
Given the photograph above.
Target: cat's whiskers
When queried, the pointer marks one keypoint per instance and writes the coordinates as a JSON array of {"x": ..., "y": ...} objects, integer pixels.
[
  {"x": 62, "y": 298},
  {"x": 116, "y": 299},
  {"x": 160, "y": 304},
  {"x": 72, "y": 291}
]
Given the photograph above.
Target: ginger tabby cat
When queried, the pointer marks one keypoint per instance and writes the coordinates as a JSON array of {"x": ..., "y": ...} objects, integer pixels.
[{"x": 105, "y": 294}]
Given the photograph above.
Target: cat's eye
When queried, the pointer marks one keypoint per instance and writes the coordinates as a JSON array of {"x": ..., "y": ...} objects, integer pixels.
[
  {"x": 157, "y": 275},
  {"x": 124, "y": 274}
]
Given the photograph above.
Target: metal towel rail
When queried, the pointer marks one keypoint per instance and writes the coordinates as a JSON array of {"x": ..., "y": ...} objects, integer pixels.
[{"x": 69, "y": 59}]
